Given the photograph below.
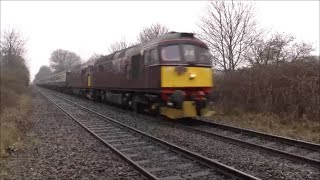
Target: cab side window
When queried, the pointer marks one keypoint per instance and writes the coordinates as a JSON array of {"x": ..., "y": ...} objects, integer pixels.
[
  {"x": 151, "y": 57},
  {"x": 146, "y": 57},
  {"x": 154, "y": 57}
]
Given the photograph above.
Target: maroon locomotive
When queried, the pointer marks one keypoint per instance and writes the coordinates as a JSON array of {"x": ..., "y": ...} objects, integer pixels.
[{"x": 171, "y": 75}]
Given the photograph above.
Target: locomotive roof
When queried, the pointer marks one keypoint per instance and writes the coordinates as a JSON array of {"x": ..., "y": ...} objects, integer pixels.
[
  {"x": 137, "y": 48},
  {"x": 170, "y": 36}
]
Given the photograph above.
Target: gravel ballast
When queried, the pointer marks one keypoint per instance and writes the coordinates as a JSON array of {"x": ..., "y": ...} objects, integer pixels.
[
  {"x": 157, "y": 155},
  {"x": 250, "y": 161},
  {"x": 56, "y": 147}
]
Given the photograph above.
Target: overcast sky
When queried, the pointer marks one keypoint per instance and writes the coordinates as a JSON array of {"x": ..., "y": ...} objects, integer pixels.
[{"x": 87, "y": 27}]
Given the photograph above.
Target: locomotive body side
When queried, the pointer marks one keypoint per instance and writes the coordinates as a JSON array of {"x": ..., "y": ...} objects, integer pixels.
[{"x": 126, "y": 71}]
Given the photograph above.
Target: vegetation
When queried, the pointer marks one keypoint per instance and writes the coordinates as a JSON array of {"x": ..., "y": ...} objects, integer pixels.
[
  {"x": 14, "y": 90},
  {"x": 61, "y": 60},
  {"x": 146, "y": 34},
  {"x": 287, "y": 94},
  {"x": 151, "y": 32},
  {"x": 268, "y": 84},
  {"x": 118, "y": 45},
  {"x": 44, "y": 71},
  {"x": 229, "y": 29}
]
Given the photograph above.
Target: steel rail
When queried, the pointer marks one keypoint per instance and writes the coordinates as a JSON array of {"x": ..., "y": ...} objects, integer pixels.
[
  {"x": 137, "y": 166},
  {"x": 227, "y": 170},
  {"x": 285, "y": 140},
  {"x": 250, "y": 145}
]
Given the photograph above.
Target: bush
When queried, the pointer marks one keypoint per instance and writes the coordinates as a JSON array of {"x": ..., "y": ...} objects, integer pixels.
[
  {"x": 15, "y": 105},
  {"x": 287, "y": 89},
  {"x": 14, "y": 80},
  {"x": 15, "y": 102}
]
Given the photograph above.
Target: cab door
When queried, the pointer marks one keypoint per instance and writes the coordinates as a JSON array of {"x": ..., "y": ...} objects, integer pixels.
[
  {"x": 137, "y": 70},
  {"x": 86, "y": 76},
  {"x": 146, "y": 57},
  {"x": 89, "y": 76},
  {"x": 84, "y": 80},
  {"x": 151, "y": 68}
]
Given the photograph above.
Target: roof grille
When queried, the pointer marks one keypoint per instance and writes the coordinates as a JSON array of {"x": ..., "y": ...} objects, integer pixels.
[{"x": 190, "y": 35}]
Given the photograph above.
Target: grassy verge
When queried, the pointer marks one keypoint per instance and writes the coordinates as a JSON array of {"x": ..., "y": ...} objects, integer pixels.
[
  {"x": 301, "y": 129},
  {"x": 14, "y": 124}
]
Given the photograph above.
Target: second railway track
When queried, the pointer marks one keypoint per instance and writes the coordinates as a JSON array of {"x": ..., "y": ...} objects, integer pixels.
[
  {"x": 154, "y": 158},
  {"x": 295, "y": 150}
]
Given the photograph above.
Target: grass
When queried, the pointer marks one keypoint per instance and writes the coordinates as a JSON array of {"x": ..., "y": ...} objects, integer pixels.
[
  {"x": 302, "y": 129},
  {"x": 14, "y": 124}
]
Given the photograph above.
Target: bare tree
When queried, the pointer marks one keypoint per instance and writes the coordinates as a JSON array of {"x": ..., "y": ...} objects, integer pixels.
[
  {"x": 61, "y": 60},
  {"x": 14, "y": 69},
  {"x": 12, "y": 44},
  {"x": 44, "y": 71},
  {"x": 257, "y": 55},
  {"x": 118, "y": 45},
  {"x": 229, "y": 29},
  {"x": 152, "y": 32},
  {"x": 279, "y": 48},
  {"x": 300, "y": 50}
]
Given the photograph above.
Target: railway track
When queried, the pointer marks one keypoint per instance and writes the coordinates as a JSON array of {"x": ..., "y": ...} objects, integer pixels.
[
  {"x": 153, "y": 157},
  {"x": 295, "y": 150}
]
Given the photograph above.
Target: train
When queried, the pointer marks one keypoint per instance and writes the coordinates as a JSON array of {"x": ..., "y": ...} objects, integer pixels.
[{"x": 171, "y": 75}]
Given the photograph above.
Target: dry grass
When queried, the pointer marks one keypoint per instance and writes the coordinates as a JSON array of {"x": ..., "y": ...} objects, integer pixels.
[
  {"x": 302, "y": 129},
  {"x": 13, "y": 124}
]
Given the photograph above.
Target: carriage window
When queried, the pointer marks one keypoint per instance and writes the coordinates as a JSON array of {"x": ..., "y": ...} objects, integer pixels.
[
  {"x": 189, "y": 53},
  {"x": 154, "y": 56},
  {"x": 171, "y": 53}
]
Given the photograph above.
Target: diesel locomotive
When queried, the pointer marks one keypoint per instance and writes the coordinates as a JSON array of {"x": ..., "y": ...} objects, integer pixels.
[{"x": 171, "y": 75}]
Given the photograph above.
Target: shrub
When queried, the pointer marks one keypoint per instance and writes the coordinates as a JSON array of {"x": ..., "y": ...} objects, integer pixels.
[{"x": 287, "y": 89}]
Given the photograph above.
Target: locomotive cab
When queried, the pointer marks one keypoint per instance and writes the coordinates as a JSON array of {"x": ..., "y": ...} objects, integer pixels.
[{"x": 186, "y": 77}]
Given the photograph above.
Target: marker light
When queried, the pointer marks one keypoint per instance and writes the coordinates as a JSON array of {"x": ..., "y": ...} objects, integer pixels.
[{"x": 192, "y": 75}]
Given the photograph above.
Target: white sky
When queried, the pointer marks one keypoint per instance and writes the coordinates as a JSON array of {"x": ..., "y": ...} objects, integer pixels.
[{"x": 86, "y": 27}]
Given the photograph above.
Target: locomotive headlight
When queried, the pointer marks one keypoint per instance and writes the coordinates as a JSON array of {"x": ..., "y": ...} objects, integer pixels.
[{"x": 192, "y": 75}]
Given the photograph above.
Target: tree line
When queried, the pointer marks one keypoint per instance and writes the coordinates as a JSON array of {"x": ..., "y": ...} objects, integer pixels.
[
  {"x": 229, "y": 29},
  {"x": 61, "y": 60},
  {"x": 13, "y": 67},
  {"x": 257, "y": 71}
]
